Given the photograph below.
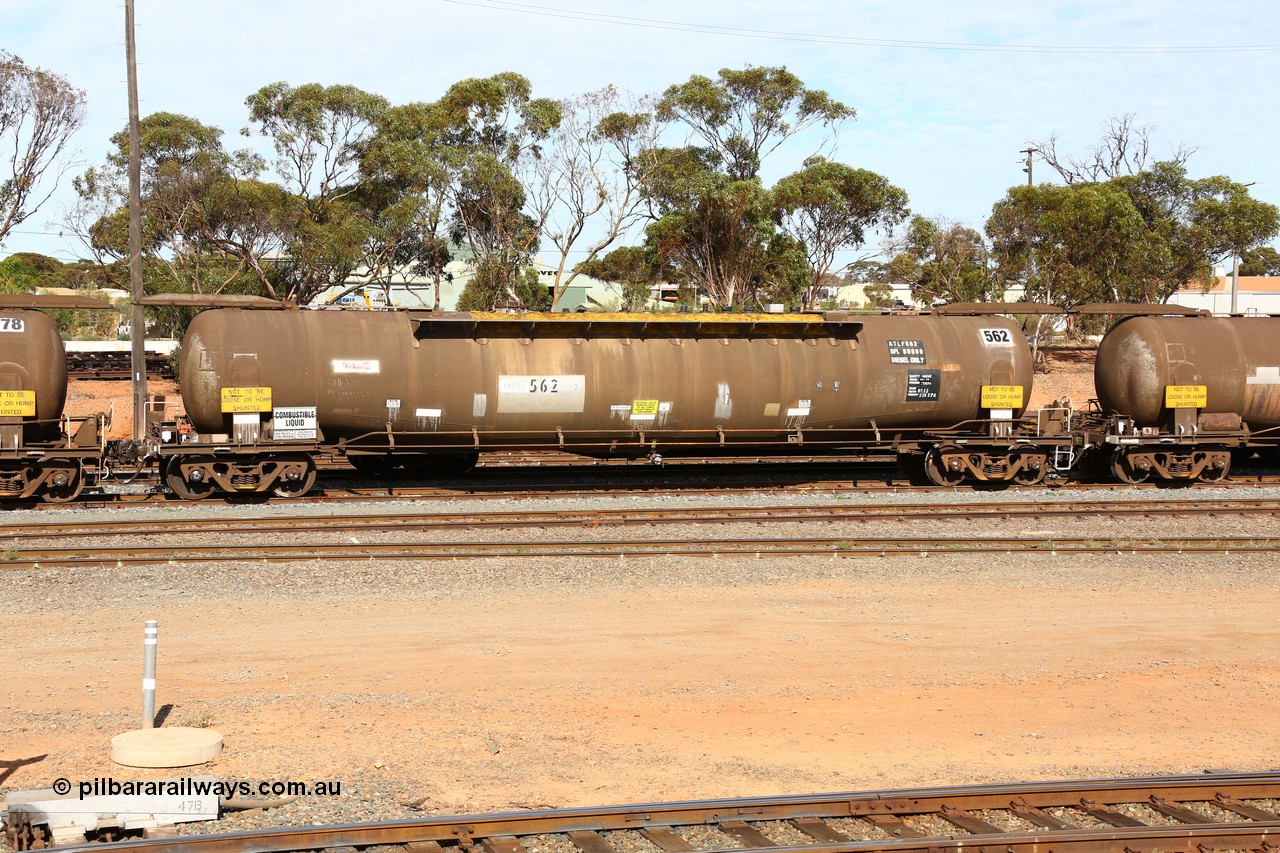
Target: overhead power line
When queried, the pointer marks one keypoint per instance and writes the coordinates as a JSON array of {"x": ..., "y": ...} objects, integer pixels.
[{"x": 778, "y": 35}]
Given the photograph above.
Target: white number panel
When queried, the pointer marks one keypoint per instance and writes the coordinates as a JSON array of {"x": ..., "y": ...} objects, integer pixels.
[{"x": 563, "y": 393}]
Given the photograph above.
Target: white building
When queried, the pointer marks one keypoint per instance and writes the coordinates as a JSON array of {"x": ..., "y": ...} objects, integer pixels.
[
  {"x": 408, "y": 291},
  {"x": 1255, "y": 294}
]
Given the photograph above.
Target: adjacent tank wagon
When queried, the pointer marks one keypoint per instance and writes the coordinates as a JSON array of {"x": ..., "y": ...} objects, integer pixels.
[
  {"x": 1184, "y": 393},
  {"x": 42, "y": 453}
]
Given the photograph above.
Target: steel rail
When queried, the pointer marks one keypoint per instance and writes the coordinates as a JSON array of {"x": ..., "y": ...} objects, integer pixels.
[
  {"x": 1193, "y": 813},
  {"x": 134, "y": 554},
  {"x": 73, "y": 527}
]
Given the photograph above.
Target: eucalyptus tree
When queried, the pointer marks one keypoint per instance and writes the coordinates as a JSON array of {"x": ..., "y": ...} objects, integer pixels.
[
  {"x": 1263, "y": 260},
  {"x": 208, "y": 221},
  {"x": 945, "y": 262},
  {"x": 829, "y": 207},
  {"x": 319, "y": 134},
  {"x": 1133, "y": 238},
  {"x": 713, "y": 231},
  {"x": 713, "y": 217},
  {"x": 590, "y": 176},
  {"x": 412, "y": 162},
  {"x": 495, "y": 129},
  {"x": 635, "y": 269},
  {"x": 745, "y": 115},
  {"x": 1073, "y": 244},
  {"x": 39, "y": 113}
]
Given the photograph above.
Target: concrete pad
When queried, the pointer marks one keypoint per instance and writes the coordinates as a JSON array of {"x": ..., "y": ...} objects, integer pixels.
[{"x": 179, "y": 746}]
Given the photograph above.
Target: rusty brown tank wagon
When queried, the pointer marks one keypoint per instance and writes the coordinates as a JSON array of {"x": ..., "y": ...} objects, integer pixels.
[
  {"x": 42, "y": 454},
  {"x": 432, "y": 391},
  {"x": 1185, "y": 392}
]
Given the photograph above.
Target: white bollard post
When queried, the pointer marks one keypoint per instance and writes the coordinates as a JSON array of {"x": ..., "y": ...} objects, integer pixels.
[{"x": 150, "y": 633}]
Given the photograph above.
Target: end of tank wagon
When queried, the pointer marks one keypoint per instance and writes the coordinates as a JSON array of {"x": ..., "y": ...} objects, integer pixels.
[
  {"x": 43, "y": 453},
  {"x": 1182, "y": 395}
]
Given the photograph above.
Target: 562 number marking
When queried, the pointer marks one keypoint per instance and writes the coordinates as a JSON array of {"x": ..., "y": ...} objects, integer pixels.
[
  {"x": 544, "y": 386},
  {"x": 996, "y": 336}
]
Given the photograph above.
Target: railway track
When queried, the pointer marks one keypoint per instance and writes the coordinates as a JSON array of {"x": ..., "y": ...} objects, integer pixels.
[
  {"x": 73, "y": 528},
  {"x": 136, "y": 555},
  {"x": 1197, "y": 814},
  {"x": 365, "y": 537}
]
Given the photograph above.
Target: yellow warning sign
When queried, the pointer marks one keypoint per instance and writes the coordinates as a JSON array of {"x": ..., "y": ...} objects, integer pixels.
[
  {"x": 1002, "y": 396},
  {"x": 246, "y": 399},
  {"x": 17, "y": 404},
  {"x": 644, "y": 407},
  {"x": 1186, "y": 396}
]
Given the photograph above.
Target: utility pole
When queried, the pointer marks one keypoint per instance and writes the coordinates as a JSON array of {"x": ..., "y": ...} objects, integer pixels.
[
  {"x": 1027, "y": 163},
  {"x": 1235, "y": 271},
  {"x": 138, "y": 325},
  {"x": 1235, "y": 281}
]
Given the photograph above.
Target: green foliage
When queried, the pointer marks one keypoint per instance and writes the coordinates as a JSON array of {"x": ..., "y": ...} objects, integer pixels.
[
  {"x": 784, "y": 276},
  {"x": 1134, "y": 238},
  {"x": 828, "y": 207},
  {"x": 27, "y": 271},
  {"x": 504, "y": 282},
  {"x": 718, "y": 241},
  {"x": 945, "y": 263},
  {"x": 714, "y": 219},
  {"x": 207, "y": 221},
  {"x": 1078, "y": 243},
  {"x": 631, "y": 266},
  {"x": 1261, "y": 261},
  {"x": 878, "y": 295},
  {"x": 744, "y": 115}
]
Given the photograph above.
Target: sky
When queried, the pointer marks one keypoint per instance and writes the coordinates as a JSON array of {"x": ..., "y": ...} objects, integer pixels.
[{"x": 946, "y": 93}]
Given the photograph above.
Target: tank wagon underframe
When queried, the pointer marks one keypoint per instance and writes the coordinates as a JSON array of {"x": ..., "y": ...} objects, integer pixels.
[{"x": 56, "y": 471}]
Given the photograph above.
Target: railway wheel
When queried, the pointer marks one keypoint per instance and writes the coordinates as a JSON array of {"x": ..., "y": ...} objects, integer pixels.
[
  {"x": 1218, "y": 467},
  {"x": 1126, "y": 470},
  {"x": 64, "y": 492},
  {"x": 937, "y": 469},
  {"x": 1032, "y": 472},
  {"x": 188, "y": 490},
  {"x": 304, "y": 469}
]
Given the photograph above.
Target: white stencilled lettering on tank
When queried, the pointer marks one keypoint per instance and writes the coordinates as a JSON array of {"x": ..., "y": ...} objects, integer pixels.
[
  {"x": 479, "y": 405},
  {"x": 724, "y": 403}
]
